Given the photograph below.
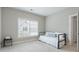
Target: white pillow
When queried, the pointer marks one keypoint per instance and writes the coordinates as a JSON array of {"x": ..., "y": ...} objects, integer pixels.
[
  {"x": 50, "y": 34},
  {"x": 61, "y": 37}
]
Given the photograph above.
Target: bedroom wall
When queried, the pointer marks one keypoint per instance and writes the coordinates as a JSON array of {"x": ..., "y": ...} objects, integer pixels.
[
  {"x": 59, "y": 21},
  {"x": 9, "y": 22}
]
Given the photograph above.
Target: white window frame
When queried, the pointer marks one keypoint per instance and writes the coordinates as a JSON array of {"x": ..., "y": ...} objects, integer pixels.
[{"x": 29, "y": 33}]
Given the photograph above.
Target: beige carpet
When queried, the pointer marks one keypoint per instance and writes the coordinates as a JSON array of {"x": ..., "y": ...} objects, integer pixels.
[{"x": 34, "y": 46}]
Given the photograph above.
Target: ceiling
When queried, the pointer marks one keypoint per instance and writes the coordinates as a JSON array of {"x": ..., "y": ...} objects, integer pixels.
[{"x": 44, "y": 11}]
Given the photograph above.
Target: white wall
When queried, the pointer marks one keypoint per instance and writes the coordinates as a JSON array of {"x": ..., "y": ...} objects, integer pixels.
[
  {"x": 0, "y": 24},
  {"x": 9, "y": 21},
  {"x": 59, "y": 21}
]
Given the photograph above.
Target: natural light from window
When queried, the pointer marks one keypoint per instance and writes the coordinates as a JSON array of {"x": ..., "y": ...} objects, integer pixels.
[{"x": 27, "y": 28}]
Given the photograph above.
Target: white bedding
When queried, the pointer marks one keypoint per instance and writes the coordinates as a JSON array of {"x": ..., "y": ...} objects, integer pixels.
[{"x": 50, "y": 40}]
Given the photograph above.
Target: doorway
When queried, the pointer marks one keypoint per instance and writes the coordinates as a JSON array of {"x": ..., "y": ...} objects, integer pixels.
[{"x": 73, "y": 31}]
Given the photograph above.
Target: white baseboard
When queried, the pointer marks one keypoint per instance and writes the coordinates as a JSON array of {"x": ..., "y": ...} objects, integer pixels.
[{"x": 23, "y": 41}]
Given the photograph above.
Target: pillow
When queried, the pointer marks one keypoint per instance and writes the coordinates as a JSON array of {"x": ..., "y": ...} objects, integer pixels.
[
  {"x": 51, "y": 34},
  {"x": 61, "y": 37}
]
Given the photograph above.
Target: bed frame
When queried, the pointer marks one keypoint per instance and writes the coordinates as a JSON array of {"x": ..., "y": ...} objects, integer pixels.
[{"x": 59, "y": 41}]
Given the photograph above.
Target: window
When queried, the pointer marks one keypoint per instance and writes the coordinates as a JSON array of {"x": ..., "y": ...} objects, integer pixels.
[{"x": 27, "y": 28}]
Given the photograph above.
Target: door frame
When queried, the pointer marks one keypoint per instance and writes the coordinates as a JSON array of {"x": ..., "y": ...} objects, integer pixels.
[{"x": 70, "y": 31}]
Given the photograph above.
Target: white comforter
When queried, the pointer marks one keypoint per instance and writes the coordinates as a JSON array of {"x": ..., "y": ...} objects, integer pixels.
[{"x": 50, "y": 40}]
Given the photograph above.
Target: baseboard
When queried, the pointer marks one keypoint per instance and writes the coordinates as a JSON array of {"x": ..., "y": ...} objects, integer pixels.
[{"x": 24, "y": 41}]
